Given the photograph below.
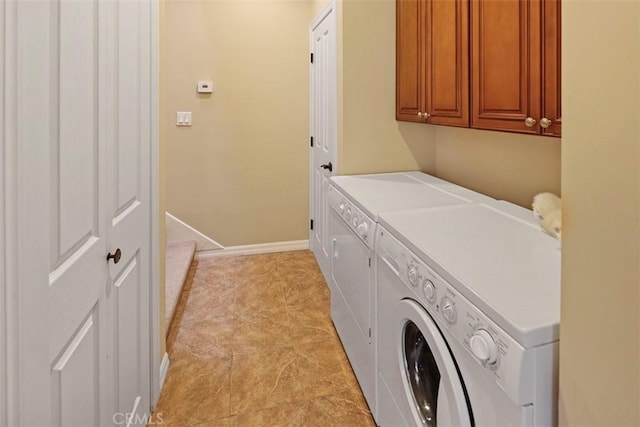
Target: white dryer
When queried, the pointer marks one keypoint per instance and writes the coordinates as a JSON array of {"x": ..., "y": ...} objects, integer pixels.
[
  {"x": 468, "y": 318},
  {"x": 355, "y": 203}
]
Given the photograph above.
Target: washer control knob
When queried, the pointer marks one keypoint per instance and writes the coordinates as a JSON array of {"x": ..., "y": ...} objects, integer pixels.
[
  {"x": 429, "y": 290},
  {"x": 448, "y": 310},
  {"x": 348, "y": 214},
  {"x": 355, "y": 220},
  {"x": 363, "y": 229},
  {"x": 412, "y": 274},
  {"x": 341, "y": 207},
  {"x": 484, "y": 347}
]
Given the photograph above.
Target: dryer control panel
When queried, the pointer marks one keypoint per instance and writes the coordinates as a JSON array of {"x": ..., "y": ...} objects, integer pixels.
[
  {"x": 357, "y": 221},
  {"x": 489, "y": 345}
]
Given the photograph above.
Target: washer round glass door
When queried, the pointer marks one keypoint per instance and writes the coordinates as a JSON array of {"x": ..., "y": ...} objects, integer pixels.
[{"x": 432, "y": 382}]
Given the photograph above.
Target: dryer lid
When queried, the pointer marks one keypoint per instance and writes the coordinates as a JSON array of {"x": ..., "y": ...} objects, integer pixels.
[
  {"x": 386, "y": 192},
  {"x": 504, "y": 265}
]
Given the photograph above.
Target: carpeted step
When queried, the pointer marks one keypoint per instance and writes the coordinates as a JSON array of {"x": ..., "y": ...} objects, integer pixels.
[{"x": 179, "y": 259}]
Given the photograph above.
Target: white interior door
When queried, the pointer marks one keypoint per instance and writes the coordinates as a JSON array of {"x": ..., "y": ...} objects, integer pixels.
[
  {"x": 82, "y": 114},
  {"x": 78, "y": 235},
  {"x": 128, "y": 205},
  {"x": 323, "y": 129}
]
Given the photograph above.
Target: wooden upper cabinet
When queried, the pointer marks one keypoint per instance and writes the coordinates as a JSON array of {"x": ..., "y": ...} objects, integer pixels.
[
  {"x": 551, "y": 109},
  {"x": 432, "y": 64},
  {"x": 409, "y": 78},
  {"x": 515, "y": 64},
  {"x": 505, "y": 64},
  {"x": 502, "y": 57}
]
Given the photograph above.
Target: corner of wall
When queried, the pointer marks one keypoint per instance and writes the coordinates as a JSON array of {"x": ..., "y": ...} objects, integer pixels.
[
  {"x": 600, "y": 354},
  {"x": 370, "y": 138}
]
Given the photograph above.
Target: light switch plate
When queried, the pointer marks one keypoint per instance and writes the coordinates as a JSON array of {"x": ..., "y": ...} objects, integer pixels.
[{"x": 183, "y": 118}]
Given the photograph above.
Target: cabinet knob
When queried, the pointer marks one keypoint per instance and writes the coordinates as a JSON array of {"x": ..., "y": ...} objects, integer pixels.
[
  {"x": 426, "y": 115},
  {"x": 420, "y": 114},
  {"x": 545, "y": 123},
  {"x": 529, "y": 122}
]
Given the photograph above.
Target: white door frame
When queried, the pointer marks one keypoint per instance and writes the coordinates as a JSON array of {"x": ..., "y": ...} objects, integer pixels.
[
  {"x": 19, "y": 284},
  {"x": 154, "y": 294},
  {"x": 8, "y": 218}
]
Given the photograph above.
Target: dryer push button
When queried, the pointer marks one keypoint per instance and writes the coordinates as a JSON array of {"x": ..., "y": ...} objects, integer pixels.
[
  {"x": 448, "y": 310},
  {"x": 412, "y": 275},
  {"x": 429, "y": 290},
  {"x": 484, "y": 347}
]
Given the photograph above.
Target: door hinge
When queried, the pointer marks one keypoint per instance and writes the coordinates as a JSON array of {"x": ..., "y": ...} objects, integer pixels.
[
  {"x": 312, "y": 58},
  {"x": 369, "y": 262},
  {"x": 311, "y": 224},
  {"x": 369, "y": 332},
  {"x": 311, "y": 141}
]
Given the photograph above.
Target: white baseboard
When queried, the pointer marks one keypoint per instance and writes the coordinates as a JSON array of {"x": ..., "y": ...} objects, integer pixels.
[
  {"x": 164, "y": 368},
  {"x": 178, "y": 230},
  {"x": 261, "y": 248}
]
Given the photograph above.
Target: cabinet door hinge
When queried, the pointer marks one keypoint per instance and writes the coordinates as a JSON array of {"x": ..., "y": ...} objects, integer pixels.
[
  {"x": 311, "y": 141},
  {"x": 312, "y": 58},
  {"x": 369, "y": 262},
  {"x": 369, "y": 332},
  {"x": 311, "y": 224}
]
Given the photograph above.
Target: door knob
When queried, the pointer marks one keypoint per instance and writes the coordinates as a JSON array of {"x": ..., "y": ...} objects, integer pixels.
[
  {"x": 529, "y": 122},
  {"x": 545, "y": 123},
  {"x": 115, "y": 256},
  {"x": 327, "y": 166}
]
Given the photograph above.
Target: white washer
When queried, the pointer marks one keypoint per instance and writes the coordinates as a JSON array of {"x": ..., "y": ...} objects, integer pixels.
[
  {"x": 355, "y": 202},
  {"x": 468, "y": 318}
]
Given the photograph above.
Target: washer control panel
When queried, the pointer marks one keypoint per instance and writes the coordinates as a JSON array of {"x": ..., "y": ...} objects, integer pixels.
[
  {"x": 485, "y": 341},
  {"x": 357, "y": 221}
]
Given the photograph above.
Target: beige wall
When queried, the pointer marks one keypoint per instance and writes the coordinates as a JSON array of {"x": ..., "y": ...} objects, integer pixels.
[
  {"x": 503, "y": 165},
  {"x": 239, "y": 173},
  {"x": 369, "y": 138},
  {"x": 600, "y": 324}
]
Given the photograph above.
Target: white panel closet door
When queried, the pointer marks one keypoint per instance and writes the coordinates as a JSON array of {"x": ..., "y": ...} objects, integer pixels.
[
  {"x": 129, "y": 205},
  {"x": 83, "y": 116},
  {"x": 77, "y": 237}
]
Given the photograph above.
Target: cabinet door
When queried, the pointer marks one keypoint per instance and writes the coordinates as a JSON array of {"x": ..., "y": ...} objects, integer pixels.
[
  {"x": 551, "y": 68},
  {"x": 505, "y": 58},
  {"x": 446, "y": 61},
  {"x": 409, "y": 77}
]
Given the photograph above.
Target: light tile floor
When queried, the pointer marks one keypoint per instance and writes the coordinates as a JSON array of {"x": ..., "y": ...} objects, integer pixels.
[{"x": 252, "y": 344}]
